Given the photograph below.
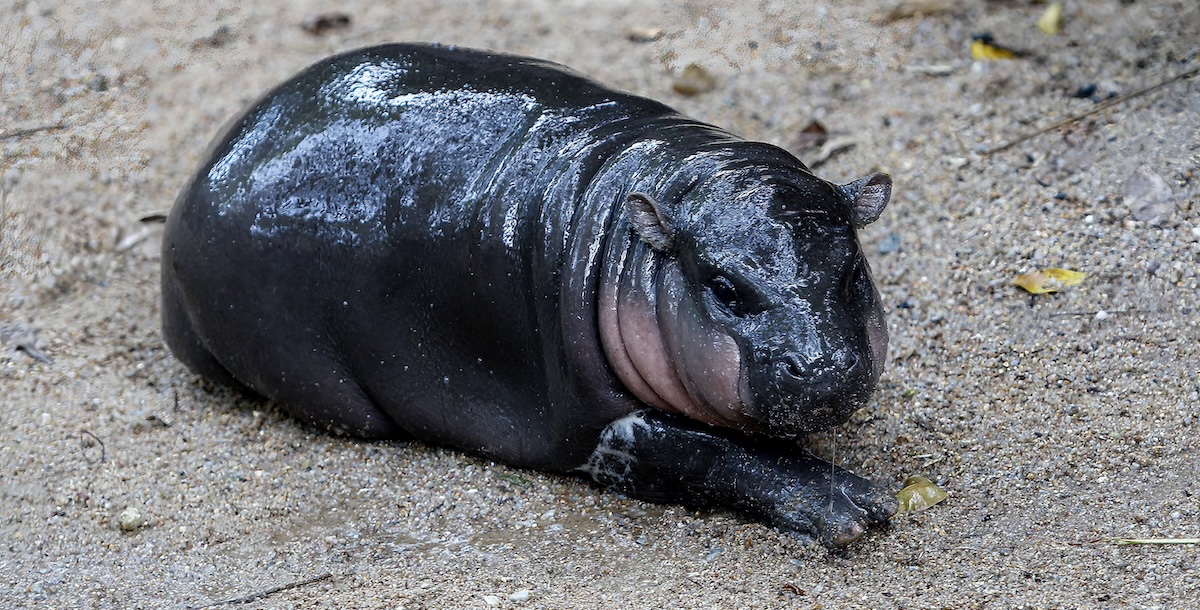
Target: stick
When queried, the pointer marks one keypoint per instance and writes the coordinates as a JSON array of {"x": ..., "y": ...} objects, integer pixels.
[
  {"x": 272, "y": 591},
  {"x": 1152, "y": 540},
  {"x": 1102, "y": 106},
  {"x": 28, "y": 131}
]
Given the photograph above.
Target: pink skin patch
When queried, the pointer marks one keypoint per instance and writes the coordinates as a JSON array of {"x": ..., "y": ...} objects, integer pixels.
[
  {"x": 614, "y": 348},
  {"x": 643, "y": 341},
  {"x": 668, "y": 361},
  {"x": 708, "y": 361}
]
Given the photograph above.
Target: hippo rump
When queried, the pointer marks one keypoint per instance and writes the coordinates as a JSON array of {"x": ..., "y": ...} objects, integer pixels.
[{"x": 498, "y": 254}]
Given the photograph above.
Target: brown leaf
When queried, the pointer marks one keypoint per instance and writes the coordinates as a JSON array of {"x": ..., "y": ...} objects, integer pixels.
[
  {"x": 812, "y": 136},
  {"x": 323, "y": 23}
]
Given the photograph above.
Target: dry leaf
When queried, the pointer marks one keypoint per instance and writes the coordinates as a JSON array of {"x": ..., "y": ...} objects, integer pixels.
[
  {"x": 918, "y": 494},
  {"x": 911, "y": 8},
  {"x": 323, "y": 23},
  {"x": 1052, "y": 19},
  {"x": 811, "y": 136},
  {"x": 984, "y": 47},
  {"x": 694, "y": 80},
  {"x": 642, "y": 34},
  {"x": 1048, "y": 280}
]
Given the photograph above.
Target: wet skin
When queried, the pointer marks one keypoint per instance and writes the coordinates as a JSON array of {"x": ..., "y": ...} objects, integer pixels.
[{"x": 495, "y": 253}]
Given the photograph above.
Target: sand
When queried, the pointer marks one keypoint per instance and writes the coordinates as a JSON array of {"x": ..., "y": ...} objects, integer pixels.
[{"x": 1055, "y": 422}]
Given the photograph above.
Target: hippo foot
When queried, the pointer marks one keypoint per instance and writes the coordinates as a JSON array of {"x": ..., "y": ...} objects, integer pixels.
[
  {"x": 831, "y": 504},
  {"x": 659, "y": 457}
]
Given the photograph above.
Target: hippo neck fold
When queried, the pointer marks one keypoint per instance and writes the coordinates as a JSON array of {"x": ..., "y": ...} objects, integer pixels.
[{"x": 658, "y": 353}]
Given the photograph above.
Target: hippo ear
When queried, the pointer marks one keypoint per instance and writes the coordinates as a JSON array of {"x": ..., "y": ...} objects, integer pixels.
[
  {"x": 649, "y": 222},
  {"x": 868, "y": 196}
]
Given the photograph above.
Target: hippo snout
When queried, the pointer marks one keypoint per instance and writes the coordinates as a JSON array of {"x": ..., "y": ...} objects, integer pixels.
[{"x": 796, "y": 395}]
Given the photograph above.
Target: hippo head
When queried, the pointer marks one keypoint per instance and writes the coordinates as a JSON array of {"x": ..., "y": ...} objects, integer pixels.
[{"x": 759, "y": 311}]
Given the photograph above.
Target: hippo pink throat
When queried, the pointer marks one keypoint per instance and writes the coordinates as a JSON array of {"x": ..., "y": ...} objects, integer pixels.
[{"x": 665, "y": 362}]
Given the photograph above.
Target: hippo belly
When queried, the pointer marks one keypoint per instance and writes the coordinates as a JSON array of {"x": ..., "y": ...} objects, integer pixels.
[{"x": 495, "y": 253}]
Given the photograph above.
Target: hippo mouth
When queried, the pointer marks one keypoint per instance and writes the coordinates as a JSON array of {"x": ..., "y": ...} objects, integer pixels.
[
  {"x": 792, "y": 420},
  {"x": 794, "y": 399}
]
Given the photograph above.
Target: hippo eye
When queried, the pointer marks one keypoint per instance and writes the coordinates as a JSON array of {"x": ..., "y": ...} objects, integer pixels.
[{"x": 727, "y": 294}]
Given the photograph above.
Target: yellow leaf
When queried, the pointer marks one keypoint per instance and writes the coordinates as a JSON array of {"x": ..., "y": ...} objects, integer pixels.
[
  {"x": 1048, "y": 280},
  {"x": 1066, "y": 277},
  {"x": 918, "y": 493},
  {"x": 1052, "y": 18},
  {"x": 983, "y": 50}
]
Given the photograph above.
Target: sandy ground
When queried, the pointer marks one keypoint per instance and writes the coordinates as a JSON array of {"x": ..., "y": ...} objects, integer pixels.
[{"x": 1054, "y": 422}]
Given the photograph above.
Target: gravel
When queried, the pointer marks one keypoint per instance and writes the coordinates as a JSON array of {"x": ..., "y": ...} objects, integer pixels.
[{"x": 1054, "y": 422}]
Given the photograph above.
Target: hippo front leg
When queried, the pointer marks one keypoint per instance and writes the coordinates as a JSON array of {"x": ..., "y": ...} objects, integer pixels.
[{"x": 659, "y": 457}]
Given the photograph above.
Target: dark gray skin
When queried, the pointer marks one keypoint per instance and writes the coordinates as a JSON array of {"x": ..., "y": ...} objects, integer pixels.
[{"x": 498, "y": 254}]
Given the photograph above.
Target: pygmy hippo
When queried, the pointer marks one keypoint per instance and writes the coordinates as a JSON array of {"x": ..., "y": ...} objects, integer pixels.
[{"x": 499, "y": 254}]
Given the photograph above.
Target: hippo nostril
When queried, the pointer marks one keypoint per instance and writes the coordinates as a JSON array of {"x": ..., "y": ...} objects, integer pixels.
[
  {"x": 844, "y": 363},
  {"x": 791, "y": 366}
]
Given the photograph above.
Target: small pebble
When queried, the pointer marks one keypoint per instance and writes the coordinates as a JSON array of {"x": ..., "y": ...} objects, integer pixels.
[
  {"x": 956, "y": 162},
  {"x": 1148, "y": 196},
  {"x": 1101, "y": 315},
  {"x": 521, "y": 595},
  {"x": 890, "y": 244},
  {"x": 130, "y": 519},
  {"x": 1084, "y": 91},
  {"x": 491, "y": 600}
]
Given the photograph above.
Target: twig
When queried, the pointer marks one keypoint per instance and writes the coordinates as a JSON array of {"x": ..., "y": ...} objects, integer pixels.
[
  {"x": 33, "y": 352},
  {"x": 1102, "y": 106},
  {"x": 830, "y": 148},
  {"x": 83, "y": 433},
  {"x": 1090, "y": 313},
  {"x": 28, "y": 131},
  {"x": 272, "y": 591},
  {"x": 1124, "y": 541}
]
